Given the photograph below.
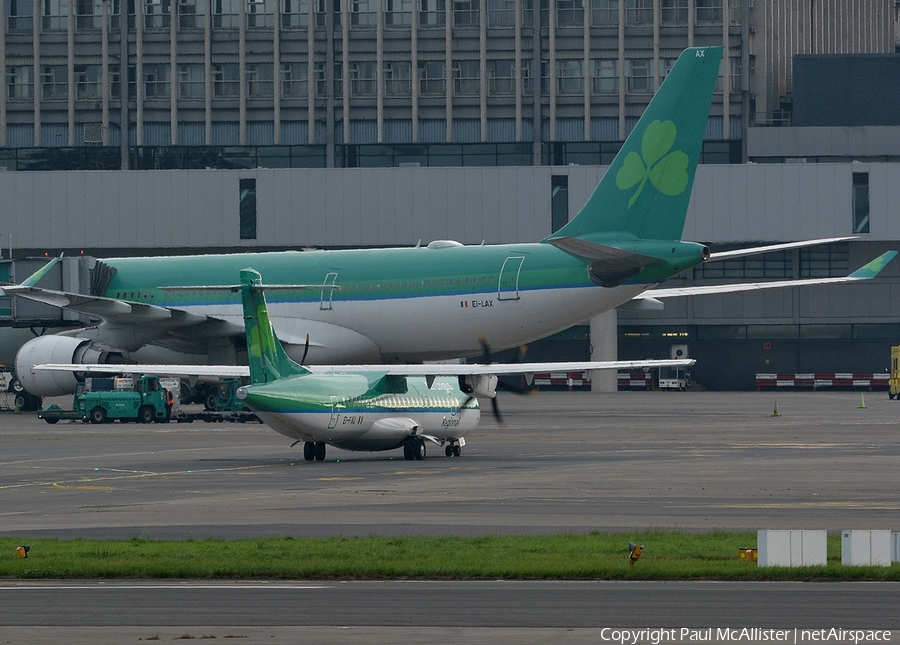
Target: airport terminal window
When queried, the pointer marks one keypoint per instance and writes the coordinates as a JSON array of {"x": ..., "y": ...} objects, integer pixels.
[
  {"x": 501, "y": 13},
  {"x": 559, "y": 201},
  {"x": 673, "y": 12},
  {"x": 20, "y": 81},
  {"x": 294, "y": 80},
  {"x": 604, "y": 75},
  {"x": 190, "y": 14},
  {"x": 639, "y": 74},
  {"x": 226, "y": 14},
  {"x": 362, "y": 78},
  {"x": 570, "y": 13},
  {"x": 398, "y": 13},
  {"x": 88, "y": 15},
  {"x": 54, "y": 15},
  {"x": 860, "y": 202},
  {"x": 604, "y": 13},
  {"x": 709, "y": 12},
  {"x": 825, "y": 261},
  {"x": 501, "y": 77},
  {"x": 260, "y": 13},
  {"x": 20, "y": 14},
  {"x": 465, "y": 13},
  {"x": 226, "y": 80},
  {"x": 191, "y": 81},
  {"x": 466, "y": 77},
  {"x": 260, "y": 80},
  {"x": 248, "y": 209},
  {"x": 156, "y": 80},
  {"x": 294, "y": 13},
  {"x": 570, "y": 77},
  {"x": 432, "y": 13},
  {"x": 157, "y": 14},
  {"x": 54, "y": 82},
  {"x": 363, "y": 13},
  {"x": 638, "y": 12},
  {"x": 431, "y": 77},
  {"x": 769, "y": 265},
  {"x": 87, "y": 81},
  {"x": 397, "y": 78}
]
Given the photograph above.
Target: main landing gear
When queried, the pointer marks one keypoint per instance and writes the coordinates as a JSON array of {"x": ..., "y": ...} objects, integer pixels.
[
  {"x": 314, "y": 450},
  {"x": 414, "y": 448}
]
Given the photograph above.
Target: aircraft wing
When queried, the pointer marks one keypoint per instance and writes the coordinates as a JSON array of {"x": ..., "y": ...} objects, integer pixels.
[
  {"x": 866, "y": 272},
  {"x": 437, "y": 369},
  {"x": 109, "y": 309}
]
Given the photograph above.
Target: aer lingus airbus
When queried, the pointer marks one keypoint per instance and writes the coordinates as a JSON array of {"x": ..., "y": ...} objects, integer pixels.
[
  {"x": 431, "y": 302},
  {"x": 354, "y": 407}
]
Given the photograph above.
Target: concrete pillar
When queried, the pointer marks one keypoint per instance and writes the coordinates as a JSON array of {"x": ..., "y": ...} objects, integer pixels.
[{"x": 604, "y": 347}]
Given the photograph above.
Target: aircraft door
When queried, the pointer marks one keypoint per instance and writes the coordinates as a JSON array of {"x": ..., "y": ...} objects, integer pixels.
[
  {"x": 508, "y": 285},
  {"x": 334, "y": 413},
  {"x": 328, "y": 294}
]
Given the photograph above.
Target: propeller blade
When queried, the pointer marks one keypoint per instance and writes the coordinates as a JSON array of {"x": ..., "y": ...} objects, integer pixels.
[
  {"x": 496, "y": 409},
  {"x": 305, "y": 351}
]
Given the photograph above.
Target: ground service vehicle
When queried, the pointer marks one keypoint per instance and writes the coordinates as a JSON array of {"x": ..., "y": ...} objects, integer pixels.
[
  {"x": 145, "y": 402},
  {"x": 894, "y": 381}
]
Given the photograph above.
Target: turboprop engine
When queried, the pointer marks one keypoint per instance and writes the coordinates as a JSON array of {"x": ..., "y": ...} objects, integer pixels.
[
  {"x": 479, "y": 386},
  {"x": 54, "y": 349}
]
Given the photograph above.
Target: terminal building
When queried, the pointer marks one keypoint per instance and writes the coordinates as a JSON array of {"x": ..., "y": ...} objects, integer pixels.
[{"x": 272, "y": 124}]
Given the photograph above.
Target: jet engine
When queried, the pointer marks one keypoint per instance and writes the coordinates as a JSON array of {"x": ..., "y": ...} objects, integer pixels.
[{"x": 53, "y": 349}]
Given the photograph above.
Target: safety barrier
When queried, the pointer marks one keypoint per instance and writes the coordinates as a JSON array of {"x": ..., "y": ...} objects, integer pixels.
[{"x": 818, "y": 380}]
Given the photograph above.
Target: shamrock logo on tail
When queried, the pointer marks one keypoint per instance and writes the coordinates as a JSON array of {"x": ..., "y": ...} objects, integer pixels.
[{"x": 665, "y": 170}]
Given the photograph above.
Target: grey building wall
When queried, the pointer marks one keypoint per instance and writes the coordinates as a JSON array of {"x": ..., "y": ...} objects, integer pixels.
[{"x": 158, "y": 211}]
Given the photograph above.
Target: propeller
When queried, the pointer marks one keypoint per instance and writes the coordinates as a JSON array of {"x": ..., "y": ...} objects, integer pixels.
[
  {"x": 305, "y": 351},
  {"x": 486, "y": 359}
]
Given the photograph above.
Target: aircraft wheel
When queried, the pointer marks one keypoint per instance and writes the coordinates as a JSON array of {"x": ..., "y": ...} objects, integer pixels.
[
  {"x": 98, "y": 415},
  {"x": 320, "y": 451},
  {"x": 457, "y": 450},
  {"x": 420, "y": 449},
  {"x": 309, "y": 450},
  {"x": 21, "y": 402},
  {"x": 449, "y": 450},
  {"x": 409, "y": 449}
]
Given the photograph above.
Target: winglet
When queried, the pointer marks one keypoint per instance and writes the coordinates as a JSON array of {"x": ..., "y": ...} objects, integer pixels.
[
  {"x": 873, "y": 268},
  {"x": 34, "y": 278}
]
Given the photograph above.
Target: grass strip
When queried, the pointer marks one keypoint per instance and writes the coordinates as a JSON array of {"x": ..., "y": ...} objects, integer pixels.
[{"x": 592, "y": 556}]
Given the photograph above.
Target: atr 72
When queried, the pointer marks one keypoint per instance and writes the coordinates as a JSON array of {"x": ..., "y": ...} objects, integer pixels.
[{"x": 407, "y": 305}]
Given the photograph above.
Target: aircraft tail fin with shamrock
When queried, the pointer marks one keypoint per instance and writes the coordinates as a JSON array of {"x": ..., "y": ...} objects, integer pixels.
[{"x": 644, "y": 194}]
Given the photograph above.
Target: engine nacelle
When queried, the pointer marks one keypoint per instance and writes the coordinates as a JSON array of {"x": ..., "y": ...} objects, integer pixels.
[
  {"x": 53, "y": 349},
  {"x": 479, "y": 385}
]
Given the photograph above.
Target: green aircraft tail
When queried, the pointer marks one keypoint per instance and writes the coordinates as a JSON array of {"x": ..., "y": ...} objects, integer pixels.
[
  {"x": 645, "y": 192},
  {"x": 268, "y": 360}
]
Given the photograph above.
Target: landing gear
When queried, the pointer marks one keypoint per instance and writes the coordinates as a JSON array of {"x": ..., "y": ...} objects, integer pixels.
[
  {"x": 314, "y": 450},
  {"x": 453, "y": 450},
  {"x": 414, "y": 448}
]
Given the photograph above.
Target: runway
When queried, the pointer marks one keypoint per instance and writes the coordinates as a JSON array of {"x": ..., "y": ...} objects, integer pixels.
[{"x": 563, "y": 462}]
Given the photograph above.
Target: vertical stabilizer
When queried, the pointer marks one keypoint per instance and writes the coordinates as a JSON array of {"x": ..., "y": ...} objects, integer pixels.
[
  {"x": 646, "y": 190},
  {"x": 268, "y": 360}
]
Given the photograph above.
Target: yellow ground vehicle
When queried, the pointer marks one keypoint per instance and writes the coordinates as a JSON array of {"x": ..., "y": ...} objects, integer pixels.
[{"x": 894, "y": 381}]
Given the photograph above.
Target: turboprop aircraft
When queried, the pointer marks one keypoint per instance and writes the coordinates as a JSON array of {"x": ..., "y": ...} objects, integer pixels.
[
  {"x": 407, "y": 305},
  {"x": 355, "y": 407}
]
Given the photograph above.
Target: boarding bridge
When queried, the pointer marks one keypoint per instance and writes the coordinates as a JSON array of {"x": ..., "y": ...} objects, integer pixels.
[{"x": 22, "y": 319}]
